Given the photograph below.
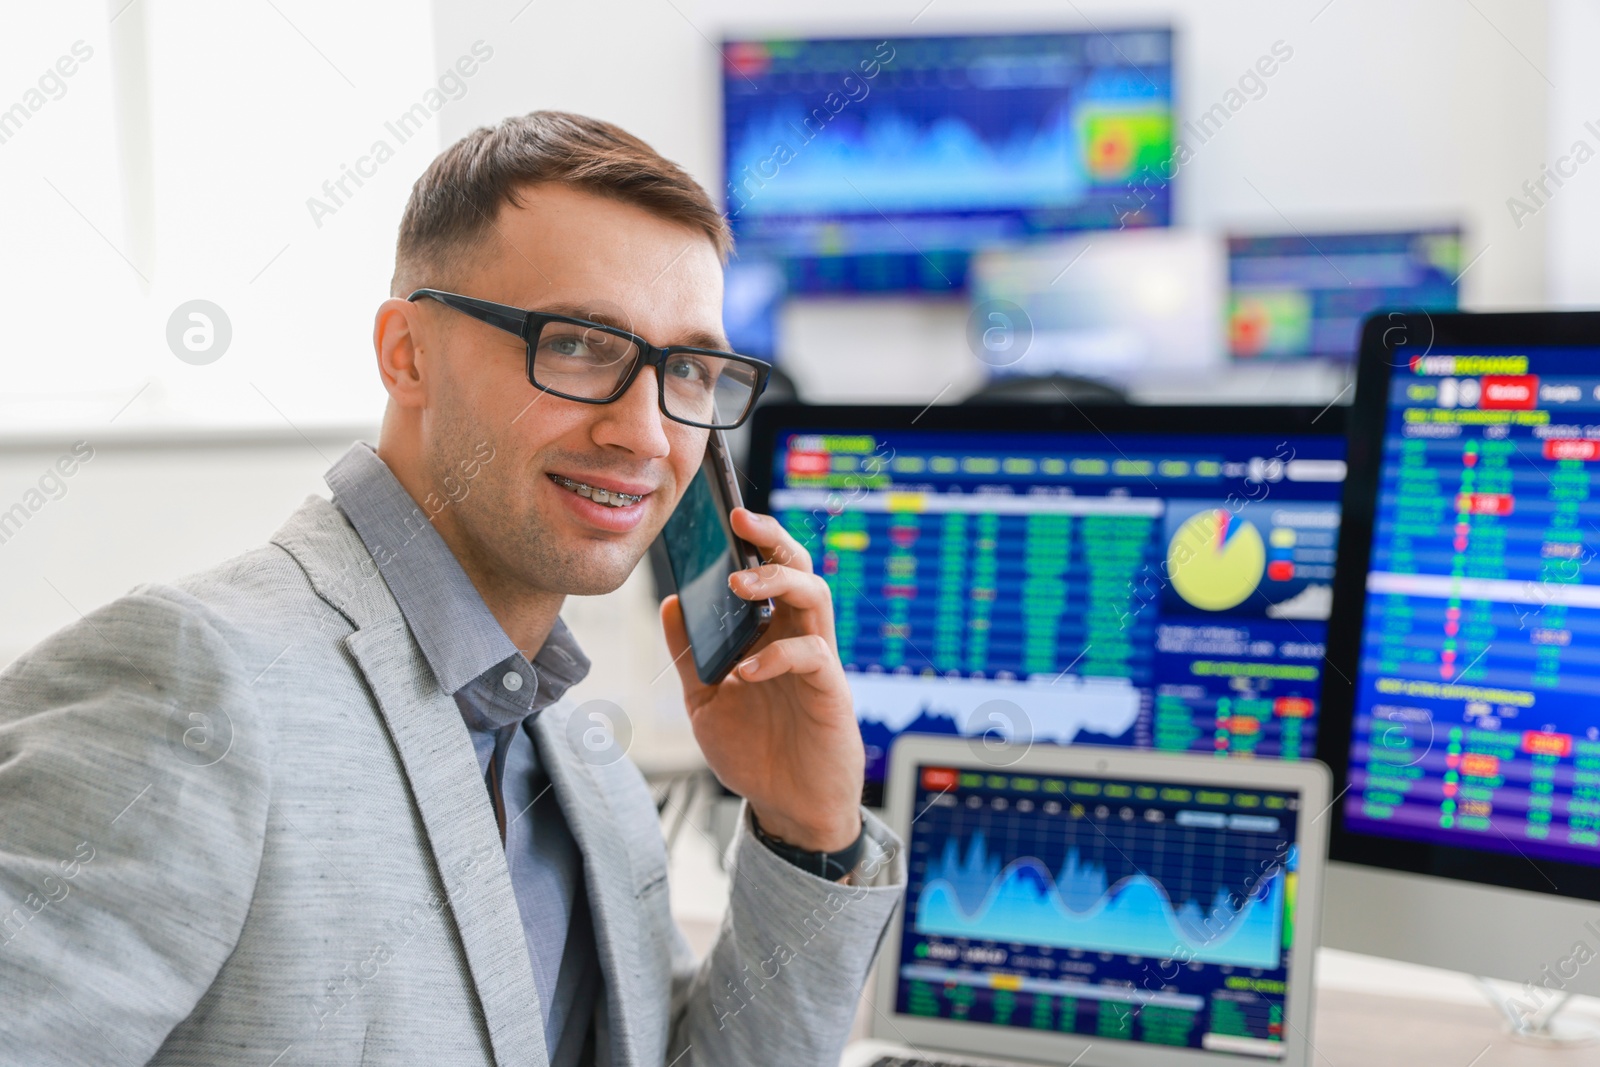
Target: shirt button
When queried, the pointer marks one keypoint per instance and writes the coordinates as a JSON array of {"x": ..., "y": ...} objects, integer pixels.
[{"x": 512, "y": 681}]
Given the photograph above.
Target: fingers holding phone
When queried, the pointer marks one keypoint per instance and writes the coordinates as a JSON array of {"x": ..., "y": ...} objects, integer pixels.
[
  {"x": 704, "y": 552},
  {"x": 767, "y": 696},
  {"x": 805, "y": 603}
]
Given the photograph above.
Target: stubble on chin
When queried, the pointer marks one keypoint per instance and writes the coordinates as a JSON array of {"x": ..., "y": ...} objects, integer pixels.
[{"x": 521, "y": 541}]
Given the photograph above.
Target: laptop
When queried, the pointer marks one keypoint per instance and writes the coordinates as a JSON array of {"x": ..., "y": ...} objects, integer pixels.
[{"x": 1100, "y": 907}]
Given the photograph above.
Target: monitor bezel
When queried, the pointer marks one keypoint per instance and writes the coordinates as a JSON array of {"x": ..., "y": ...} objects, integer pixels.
[
  {"x": 1309, "y": 778},
  {"x": 772, "y": 420},
  {"x": 1384, "y": 335}
]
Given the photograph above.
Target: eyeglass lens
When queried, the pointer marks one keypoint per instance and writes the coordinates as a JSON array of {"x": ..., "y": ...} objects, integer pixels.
[{"x": 584, "y": 362}]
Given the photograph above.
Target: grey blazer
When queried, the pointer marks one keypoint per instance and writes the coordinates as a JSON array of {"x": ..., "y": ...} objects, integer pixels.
[{"x": 242, "y": 824}]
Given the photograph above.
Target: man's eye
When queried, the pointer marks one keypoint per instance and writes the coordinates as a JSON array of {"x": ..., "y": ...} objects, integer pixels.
[
  {"x": 689, "y": 370},
  {"x": 564, "y": 346}
]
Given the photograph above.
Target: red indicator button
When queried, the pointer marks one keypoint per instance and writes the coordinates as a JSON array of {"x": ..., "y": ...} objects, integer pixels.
[
  {"x": 808, "y": 462},
  {"x": 1510, "y": 392},
  {"x": 1537, "y": 743},
  {"x": 1485, "y": 503},
  {"x": 1293, "y": 707},
  {"x": 943, "y": 778},
  {"x": 1571, "y": 448}
]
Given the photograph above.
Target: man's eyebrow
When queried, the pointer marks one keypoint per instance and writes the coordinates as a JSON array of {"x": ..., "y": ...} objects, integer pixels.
[
  {"x": 692, "y": 339},
  {"x": 583, "y": 311},
  {"x": 701, "y": 339}
]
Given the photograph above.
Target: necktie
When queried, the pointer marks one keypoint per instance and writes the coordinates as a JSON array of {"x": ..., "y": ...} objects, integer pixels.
[{"x": 497, "y": 770}]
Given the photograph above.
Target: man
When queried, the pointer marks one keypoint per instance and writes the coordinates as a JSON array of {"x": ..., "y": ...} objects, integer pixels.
[{"x": 314, "y": 806}]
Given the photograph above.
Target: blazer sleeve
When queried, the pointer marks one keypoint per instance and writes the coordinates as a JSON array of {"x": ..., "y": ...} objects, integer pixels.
[
  {"x": 135, "y": 791},
  {"x": 782, "y": 981}
]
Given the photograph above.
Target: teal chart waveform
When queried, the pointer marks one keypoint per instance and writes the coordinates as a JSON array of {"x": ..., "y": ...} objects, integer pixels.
[
  {"x": 890, "y": 162},
  {"x": 976, "y": 898}
]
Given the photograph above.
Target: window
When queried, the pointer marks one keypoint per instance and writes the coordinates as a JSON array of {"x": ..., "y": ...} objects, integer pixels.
[{"x": 225, "y": 153}]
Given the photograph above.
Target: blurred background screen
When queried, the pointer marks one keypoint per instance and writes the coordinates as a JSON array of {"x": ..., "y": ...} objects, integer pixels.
[
  {"x": 1292, "y": 296},
  {"x": 842, "y": 152}
]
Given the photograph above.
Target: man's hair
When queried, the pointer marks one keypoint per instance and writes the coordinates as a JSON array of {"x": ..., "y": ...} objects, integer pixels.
[{"x": 454, "y": 204}]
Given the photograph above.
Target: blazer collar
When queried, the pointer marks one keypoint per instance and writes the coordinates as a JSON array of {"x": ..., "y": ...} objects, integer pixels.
[
  {"x": 609, "y": 876},
  {"x": 437, "y": 756}
]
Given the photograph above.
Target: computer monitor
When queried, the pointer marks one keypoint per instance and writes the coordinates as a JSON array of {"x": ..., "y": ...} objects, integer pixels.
[
  {"x": 753, "y": 291},
  {"x": 1118, "y": 907},
  {"x": 878, "y": 164},
  {"x": 1300, "y": 296},
  {"x": 1149, "y": 577},
  {"x": 1460, "y": 707},
  {"x": 1126, "y": 307}
]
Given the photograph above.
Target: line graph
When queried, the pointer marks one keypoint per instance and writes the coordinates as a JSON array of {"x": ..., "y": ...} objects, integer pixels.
[
  {"x": 1106, "y": 871},
  {"x": 1080, "y": 908}
]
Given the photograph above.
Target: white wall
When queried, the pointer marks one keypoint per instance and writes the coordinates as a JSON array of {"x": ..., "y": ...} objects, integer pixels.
[
  {"x": 1387, "y": 114},
  {"x": 1570, "y": 217}
]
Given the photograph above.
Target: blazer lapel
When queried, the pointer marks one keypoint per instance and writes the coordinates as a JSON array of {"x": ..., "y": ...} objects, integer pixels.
[
  {"x": 608, "y": 881},
  {"x": 436, "y": 754}
]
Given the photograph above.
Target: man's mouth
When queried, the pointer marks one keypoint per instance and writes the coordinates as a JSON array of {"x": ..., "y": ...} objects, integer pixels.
[{"x": 609, "y": 497}]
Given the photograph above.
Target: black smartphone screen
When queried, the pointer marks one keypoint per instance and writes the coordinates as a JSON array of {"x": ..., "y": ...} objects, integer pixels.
[{"x": 700, "y": 547}]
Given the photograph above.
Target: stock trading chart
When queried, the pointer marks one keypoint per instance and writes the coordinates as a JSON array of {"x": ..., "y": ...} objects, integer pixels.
[
  {"x": 879, "y": 165},
  {"x": 1156, "y": 591},
  {"x": 1475, "y": 722},
  {"x": 1298, "y": 296},
  {"x": 1153, "y": 912}
]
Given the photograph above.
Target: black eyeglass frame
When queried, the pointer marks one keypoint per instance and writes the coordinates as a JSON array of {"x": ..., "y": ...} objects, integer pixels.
[{"x": 528, "y": 325}]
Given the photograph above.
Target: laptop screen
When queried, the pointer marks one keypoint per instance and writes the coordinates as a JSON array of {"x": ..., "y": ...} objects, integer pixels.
[{"x": 1153, "y": 912}]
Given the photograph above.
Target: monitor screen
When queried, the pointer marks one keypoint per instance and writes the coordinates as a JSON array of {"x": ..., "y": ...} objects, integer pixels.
[
  {"x": 1165, "y": 587},
  {"x": 1474, "y": 722},
  {"x": 1295, "y": 296},
  {"x": 753, "y": 292},
  {"x": 1152, "y": 912},
  {"x": 1126, "y": 307},
  {"x": 878, "y": 165}
]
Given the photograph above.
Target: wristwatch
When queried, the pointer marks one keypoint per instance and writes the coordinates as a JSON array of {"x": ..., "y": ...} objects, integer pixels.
[{"x": 830, "y": 865}]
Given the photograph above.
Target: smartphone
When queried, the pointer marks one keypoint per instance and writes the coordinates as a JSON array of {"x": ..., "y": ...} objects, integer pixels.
[{"x": 703, "y": 552}]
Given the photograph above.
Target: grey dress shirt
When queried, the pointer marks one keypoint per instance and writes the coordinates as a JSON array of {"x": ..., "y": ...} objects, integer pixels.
[{"x": 499, "y": 691}]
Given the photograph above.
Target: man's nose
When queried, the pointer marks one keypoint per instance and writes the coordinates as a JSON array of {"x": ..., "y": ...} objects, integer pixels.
[{"x": 634, "y": 420}]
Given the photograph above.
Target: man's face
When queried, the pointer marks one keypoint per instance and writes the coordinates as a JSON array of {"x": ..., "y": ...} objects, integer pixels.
[{"x": 576, "y": 254}]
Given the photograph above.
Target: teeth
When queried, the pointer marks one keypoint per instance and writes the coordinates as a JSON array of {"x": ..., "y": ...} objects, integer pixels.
[{"x": 608, "y": 497}]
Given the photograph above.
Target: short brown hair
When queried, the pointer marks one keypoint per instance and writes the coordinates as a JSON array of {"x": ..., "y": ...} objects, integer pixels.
[{"x": 457, "y": 198}]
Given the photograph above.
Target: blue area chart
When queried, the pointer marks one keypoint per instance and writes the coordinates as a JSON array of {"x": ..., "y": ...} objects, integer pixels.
[
  {"x": 894, "y": 163},
  {"x": 1077, "y": 908}
]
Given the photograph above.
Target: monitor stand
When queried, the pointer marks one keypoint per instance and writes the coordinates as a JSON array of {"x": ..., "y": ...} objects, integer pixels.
[{"x": 1532, "y": 1019}]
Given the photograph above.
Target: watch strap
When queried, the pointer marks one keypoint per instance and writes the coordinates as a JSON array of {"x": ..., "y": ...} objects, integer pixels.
[{"x": 830, "y": 865}]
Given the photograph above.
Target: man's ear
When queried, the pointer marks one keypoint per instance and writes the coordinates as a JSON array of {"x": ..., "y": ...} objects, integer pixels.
[{"x": 396, "y": 341}]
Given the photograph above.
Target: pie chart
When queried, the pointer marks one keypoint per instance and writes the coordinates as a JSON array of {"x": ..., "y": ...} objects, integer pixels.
[{"x": 1216, "y": 560}]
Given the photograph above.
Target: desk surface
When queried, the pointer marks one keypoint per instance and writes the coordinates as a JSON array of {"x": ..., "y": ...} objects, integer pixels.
[{"x": 1374, "y": 1030}]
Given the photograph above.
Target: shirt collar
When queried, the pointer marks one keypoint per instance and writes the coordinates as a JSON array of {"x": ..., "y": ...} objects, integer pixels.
[{"x": 458, "y": 634}]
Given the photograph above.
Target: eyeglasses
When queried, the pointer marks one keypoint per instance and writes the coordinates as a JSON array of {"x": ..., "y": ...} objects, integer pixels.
[{"x": 595, "y": 364}]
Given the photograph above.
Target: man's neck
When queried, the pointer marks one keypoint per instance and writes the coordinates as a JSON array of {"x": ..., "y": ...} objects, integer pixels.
[{"x": 527, "y": 615}]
